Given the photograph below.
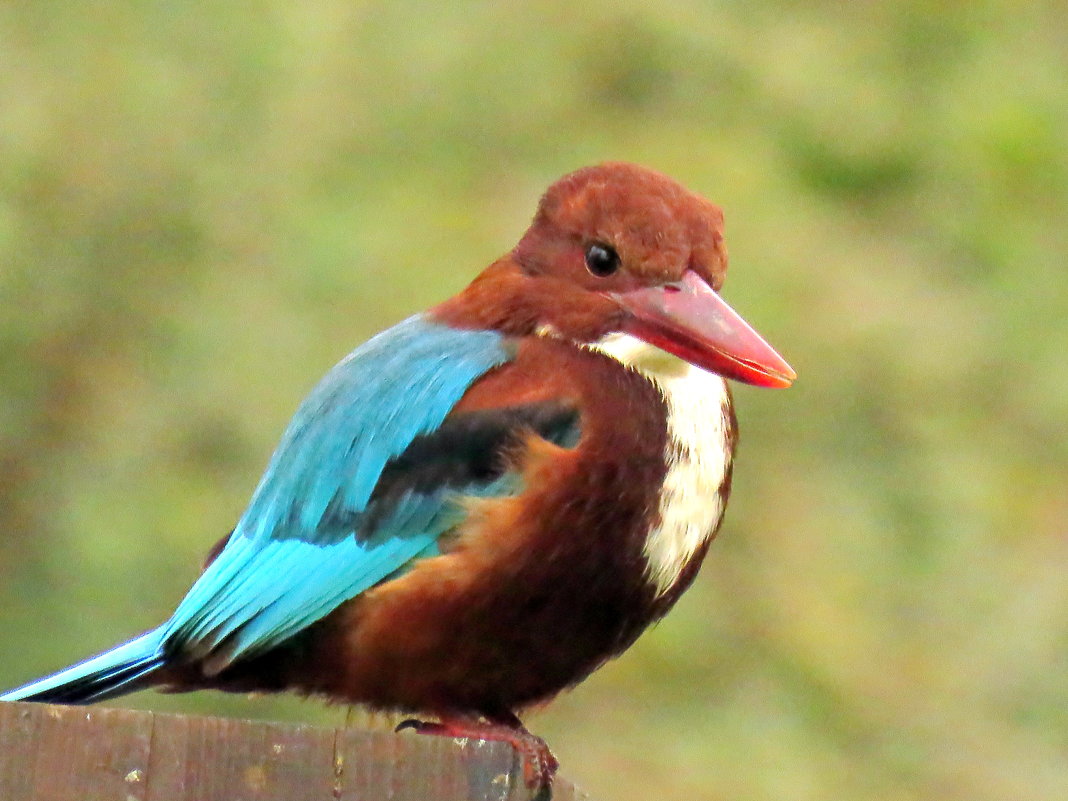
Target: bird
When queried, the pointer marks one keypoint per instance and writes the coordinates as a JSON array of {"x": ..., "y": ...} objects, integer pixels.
[{"x": 482, "y": 504}]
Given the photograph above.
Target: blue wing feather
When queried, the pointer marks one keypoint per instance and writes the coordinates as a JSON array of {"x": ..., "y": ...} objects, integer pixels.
[
  {"x": 294, "y": 556},
  {"x": 367, "y": 477}
]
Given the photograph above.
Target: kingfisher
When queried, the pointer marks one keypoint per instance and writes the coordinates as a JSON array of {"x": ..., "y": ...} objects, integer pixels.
[{"x": 479, "y": 506}]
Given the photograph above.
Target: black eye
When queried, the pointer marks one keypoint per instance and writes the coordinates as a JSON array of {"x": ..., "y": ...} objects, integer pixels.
[{"x": 601, "y": 260}]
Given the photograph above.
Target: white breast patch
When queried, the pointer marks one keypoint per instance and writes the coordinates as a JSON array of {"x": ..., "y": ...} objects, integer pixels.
[{"x": 698, "y": 454}]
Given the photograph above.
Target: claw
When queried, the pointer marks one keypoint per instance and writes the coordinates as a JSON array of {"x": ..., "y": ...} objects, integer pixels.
[{"x": 539, "y": 764}]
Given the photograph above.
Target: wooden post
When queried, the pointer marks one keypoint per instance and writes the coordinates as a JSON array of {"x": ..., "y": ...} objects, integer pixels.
[{"x": 58, "y": 753}]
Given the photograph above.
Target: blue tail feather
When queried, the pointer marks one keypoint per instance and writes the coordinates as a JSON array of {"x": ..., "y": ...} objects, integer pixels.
[{"x": 121, "y": 670}]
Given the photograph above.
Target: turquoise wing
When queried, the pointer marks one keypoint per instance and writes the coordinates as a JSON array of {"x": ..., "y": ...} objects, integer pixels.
[{"x": 314, "y": 534}]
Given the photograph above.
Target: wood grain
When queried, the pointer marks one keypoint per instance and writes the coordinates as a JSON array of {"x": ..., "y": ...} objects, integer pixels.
[{"x": 57, "y": 753}]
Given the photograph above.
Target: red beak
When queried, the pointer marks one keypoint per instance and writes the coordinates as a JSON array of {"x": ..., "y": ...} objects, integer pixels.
[{"x": 688, "y": 319}]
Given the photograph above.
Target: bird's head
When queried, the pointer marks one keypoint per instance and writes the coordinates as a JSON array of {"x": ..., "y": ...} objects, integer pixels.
[{"x": 619, "y": 248}]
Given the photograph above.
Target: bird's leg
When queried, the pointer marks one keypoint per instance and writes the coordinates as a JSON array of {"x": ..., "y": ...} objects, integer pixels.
[{"x": 539, "y": 764}]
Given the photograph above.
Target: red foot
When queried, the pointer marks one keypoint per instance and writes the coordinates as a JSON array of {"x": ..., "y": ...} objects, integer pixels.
[{"x": 539, "y": 764}]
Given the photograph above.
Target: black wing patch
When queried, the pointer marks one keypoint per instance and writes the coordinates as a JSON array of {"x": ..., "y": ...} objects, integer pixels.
[{"x": 468, "y": 450}]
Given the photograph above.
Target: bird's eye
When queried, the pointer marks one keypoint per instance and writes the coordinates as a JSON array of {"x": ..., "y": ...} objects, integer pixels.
[{"x": 601, "y": 260}]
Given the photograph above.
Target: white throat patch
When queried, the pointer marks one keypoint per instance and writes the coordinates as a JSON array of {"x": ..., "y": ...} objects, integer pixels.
[{"x": 698, "y": 454}]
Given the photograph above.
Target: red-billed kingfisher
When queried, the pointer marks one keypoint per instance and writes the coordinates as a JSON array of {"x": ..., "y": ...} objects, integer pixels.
[{"x": 482, "y": 504}]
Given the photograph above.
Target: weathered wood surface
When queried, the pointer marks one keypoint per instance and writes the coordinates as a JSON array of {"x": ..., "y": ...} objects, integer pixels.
[{"x": 57, "y": 753}]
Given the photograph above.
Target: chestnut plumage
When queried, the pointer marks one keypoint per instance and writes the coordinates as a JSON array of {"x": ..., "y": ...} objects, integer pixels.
[{"x": 482, "y": 504}]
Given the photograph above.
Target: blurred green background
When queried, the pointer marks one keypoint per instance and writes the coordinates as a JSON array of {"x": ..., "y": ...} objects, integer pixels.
[{"x": 204, "y": 205}]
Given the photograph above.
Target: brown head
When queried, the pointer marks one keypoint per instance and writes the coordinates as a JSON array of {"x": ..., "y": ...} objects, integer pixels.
[{"x": 619, "y": 248}]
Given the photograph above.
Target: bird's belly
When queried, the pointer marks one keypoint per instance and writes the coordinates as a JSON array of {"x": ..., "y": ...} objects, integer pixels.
[{"x": 442, "y": 640}]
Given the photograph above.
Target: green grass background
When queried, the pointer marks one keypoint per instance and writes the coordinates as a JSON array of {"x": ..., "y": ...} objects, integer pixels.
[{"x": 204, "y": 205}]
